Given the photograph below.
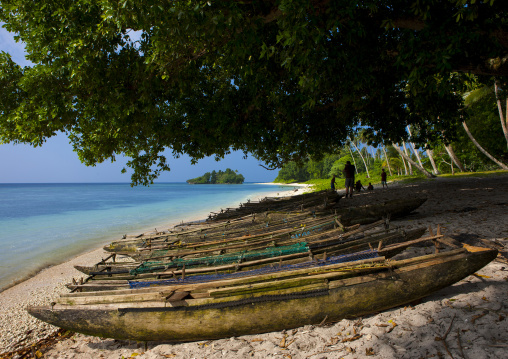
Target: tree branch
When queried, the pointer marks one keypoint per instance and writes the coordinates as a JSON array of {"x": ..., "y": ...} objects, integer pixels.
[{"x": 269, "y": 169}]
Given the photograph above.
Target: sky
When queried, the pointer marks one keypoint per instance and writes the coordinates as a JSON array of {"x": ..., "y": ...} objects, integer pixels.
[{"x": 56, "y": 162}]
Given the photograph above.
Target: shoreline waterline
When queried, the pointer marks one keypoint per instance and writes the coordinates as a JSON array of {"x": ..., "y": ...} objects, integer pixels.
[{"x": 98, "y": 240}]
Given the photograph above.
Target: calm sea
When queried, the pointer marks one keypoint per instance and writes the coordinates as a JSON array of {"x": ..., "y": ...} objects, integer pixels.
[{"x": 46, "y": 224}]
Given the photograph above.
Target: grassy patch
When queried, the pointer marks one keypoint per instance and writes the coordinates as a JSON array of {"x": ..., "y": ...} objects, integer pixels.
[
  {"x": 475, "y": 174},
  {"x": 324, "y": 183}
]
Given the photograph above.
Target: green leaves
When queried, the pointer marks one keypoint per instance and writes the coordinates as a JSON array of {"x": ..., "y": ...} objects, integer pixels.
[{"x": 282, "y": 81}]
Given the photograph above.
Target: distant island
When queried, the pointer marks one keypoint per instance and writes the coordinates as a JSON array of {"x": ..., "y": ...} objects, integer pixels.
[{"x": 227, "y": 177}]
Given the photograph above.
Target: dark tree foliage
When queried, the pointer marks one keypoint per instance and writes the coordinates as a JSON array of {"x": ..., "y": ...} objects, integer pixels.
[
  {"x": 281, "y": 79},
  {"x": 227, "y": 177}
]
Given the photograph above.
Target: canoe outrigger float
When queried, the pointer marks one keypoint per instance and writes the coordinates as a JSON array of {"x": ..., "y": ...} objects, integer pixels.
[{"x": 261, "y": 303}]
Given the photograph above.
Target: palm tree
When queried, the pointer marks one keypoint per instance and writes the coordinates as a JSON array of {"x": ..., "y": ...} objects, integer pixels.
[
  {"x": 387, "y": 162},
  {"x": 454, "y": 157},
  {"x": 407, "y": 154},
  {"x": 396, "y": 163},
  {"x": 499, "y": 163},
  {"x": 469, "y": 99},
  {"x": 409, "y": 160},
  {"x": 504, "y": 119},
  {"x": 363, "y": 138},
  {"x": 414, "y": 147},
  {"x": 406, "y": 172},
  {"x": 363, "y": 159},
  {"x": 430, "y": 154},
  {"x": 353, "y": 157}
]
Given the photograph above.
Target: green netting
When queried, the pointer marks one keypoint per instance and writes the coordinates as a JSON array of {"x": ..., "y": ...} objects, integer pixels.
[
  {"x": 157, "y": 266},
  {"x": 296, "y": 234}
]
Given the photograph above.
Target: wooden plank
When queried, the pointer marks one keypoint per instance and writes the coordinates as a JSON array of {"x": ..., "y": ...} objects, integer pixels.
[
  {"x": 177, "y": 296},
  {"x": 230, "y": 282}
]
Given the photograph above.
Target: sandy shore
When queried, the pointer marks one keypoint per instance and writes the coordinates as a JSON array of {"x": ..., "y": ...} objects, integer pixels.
[
  {"x": 471, "y": 316},
  {"x": 47, "y": 285}
]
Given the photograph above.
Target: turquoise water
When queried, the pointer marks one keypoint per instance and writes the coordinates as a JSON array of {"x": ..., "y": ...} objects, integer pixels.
[{"x": 46, "y": 224}]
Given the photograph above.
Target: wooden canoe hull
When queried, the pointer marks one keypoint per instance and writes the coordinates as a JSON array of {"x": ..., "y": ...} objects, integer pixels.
[
  {"x": 336, "y": 300},
  {"x": 137, "y": 248},
  {"x": 349, "y": 216},
  {"x": 331, "y": 248},
  {"x": 370, "y": 213}
]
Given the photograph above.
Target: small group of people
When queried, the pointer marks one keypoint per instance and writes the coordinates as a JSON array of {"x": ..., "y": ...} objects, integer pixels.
[{"x": 349, "y": 173}]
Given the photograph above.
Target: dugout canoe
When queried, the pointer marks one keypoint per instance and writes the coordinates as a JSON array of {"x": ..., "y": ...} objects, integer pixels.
[
  {"x": 292, "y": 203},
  {"x": 360, "y": 249},
  {"x": 348, "y": 217},
  {"x": 296, "y": 251},
  {"x": 188, "y": 314},
  {"x": 339, "y": 239},
  {"x": 178, "y": 243},
  {"x": 321, "y": 231}
]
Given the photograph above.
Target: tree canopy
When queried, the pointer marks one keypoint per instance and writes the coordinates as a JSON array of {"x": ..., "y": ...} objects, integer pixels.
[{"x": 282, "y": 79}]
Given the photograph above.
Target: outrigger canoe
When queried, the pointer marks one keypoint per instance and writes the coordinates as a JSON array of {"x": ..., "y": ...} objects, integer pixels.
[
  {"x": 322, "y": 199},
  {"x": 387, "y": 243},
  {"x": 263, "y": 303},
  {"x": 267, "y": 222}
]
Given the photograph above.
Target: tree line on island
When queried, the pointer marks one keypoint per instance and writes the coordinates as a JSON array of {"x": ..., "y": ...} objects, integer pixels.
[{"x": 219, "y": 177}]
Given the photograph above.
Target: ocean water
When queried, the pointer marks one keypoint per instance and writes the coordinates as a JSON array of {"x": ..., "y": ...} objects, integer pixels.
[{"x": 46, "y": 224}]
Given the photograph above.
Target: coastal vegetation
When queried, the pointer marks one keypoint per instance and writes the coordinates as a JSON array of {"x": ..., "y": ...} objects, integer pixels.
[
  {"x": 285, "y": 81},
  {"x": 478, "y": 146},
  {"x": 219, "y": 177}
]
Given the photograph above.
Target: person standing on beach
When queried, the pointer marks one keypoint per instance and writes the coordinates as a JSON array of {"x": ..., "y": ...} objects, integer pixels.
[
  {"x": 349, "y": 173},
  {"x": 383, "y": 178},
  {"x": 332, "y": 184}
]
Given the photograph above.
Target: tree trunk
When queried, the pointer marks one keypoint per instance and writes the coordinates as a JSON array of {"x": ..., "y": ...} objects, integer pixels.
[
  {"x": 430, "y": 153},
  {"x": 499, "y": 163},
  {"x": 387, "y": 161},
  {"x": 451, "y": 165},
  {"x": 353, "y": 157},
  {"x": 363, "y": 159},
  {"x": 414, "y": 148},
  {"x": 504, "y": 119},
  {"x": 454, "y": 158},
  {"x": 407, "y": 154},
  {"x": 405, "y": 166},
  {"x": 372, "y": 155},
  {"x": 421, "y": 169}
]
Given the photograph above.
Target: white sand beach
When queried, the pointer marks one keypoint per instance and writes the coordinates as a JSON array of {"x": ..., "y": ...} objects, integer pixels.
[{"x": 466, "y": 320}]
